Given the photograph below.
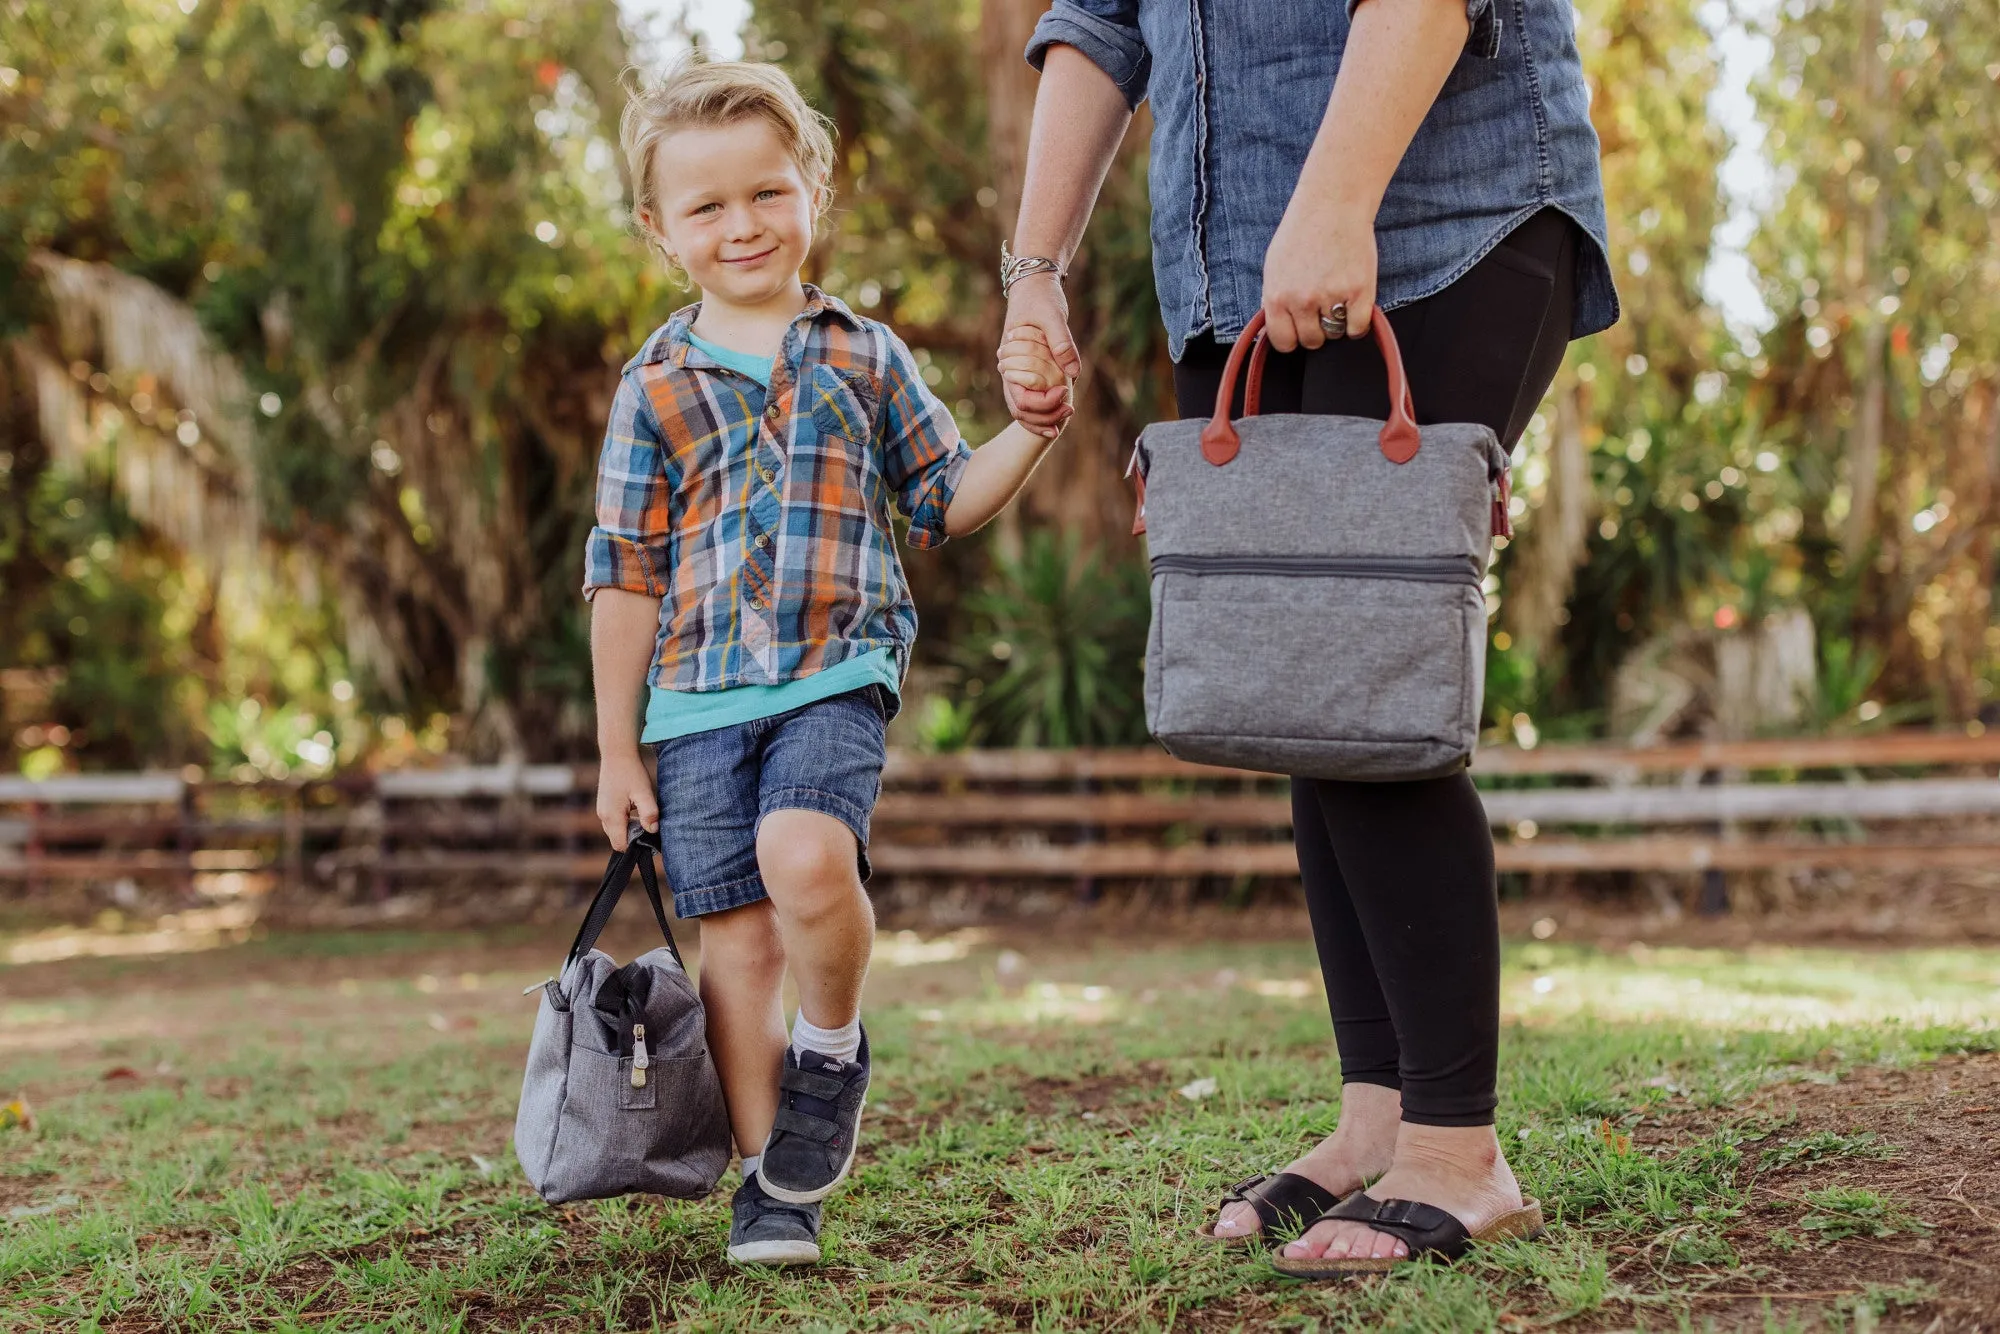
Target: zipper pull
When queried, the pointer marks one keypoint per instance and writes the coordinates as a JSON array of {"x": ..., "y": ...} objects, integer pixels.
[
  {"x": 537, "y": 987},
  {"x": 640, "y": 1061}
]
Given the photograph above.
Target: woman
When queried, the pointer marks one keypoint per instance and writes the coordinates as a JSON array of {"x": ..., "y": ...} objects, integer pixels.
[{"x": 1435, "y": 156}]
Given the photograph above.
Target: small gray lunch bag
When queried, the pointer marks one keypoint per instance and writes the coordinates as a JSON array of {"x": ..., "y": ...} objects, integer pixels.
[
  {"x": 1317, "y": 608},
  {"x": 620, "y": 1095}
]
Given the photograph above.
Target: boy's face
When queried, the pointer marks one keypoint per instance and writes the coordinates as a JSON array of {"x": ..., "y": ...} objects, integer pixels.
[{"x": 734, "y": 209}]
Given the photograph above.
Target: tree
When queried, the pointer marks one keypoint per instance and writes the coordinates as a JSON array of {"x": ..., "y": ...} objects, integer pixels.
[
  {"x": 1881, "y": 259},
  {"x": 400, "y": 230}
]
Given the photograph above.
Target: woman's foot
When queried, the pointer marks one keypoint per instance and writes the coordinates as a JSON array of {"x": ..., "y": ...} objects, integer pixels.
[
  {"x": 1459, "y": 1169},
  {"x": 1360, "y": 1148}
]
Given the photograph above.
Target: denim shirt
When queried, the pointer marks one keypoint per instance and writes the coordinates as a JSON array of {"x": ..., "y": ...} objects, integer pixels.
[{"x": 1239, "y": 88}]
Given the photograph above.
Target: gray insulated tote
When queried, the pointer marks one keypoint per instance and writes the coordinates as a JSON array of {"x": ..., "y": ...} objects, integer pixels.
[
  {"x": 620, "y": 1096},
  {"x": 1316, "y": 583}
]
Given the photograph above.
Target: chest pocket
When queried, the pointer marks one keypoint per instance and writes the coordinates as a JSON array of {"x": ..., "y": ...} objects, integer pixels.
[{"x": 844, "y": 404}]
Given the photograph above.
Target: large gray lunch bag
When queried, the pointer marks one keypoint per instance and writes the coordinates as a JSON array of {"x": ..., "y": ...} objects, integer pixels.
[
  {"x": 620, "y": 1095},
  {"x": 1317, "y": 608}
]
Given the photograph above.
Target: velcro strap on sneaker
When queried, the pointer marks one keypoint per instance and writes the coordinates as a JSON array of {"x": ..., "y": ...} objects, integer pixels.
[
  {"x": 812, "y": 1083},
  {"x": 811, "y": 1127}
]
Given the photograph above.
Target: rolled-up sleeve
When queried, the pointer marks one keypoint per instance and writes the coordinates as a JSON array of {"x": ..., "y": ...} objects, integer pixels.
[
  {"x": 1484, "y": 38},
  {"x": 629, "y": 547},
  {"x": 923, "y": 455},
  {"x": 1107, "y": 32}
]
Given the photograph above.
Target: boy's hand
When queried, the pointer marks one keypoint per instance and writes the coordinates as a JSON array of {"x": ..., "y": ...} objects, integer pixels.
[
  {"x": 1025, "y": 362},
  {"x": 625, "y": 792}
]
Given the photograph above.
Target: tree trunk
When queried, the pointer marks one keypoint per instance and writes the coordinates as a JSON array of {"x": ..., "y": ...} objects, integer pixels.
[
  {"x": 1079, "y": 490},
  {"x": 1553, "y": 545},
  {"x": 1864, "y": 448}
]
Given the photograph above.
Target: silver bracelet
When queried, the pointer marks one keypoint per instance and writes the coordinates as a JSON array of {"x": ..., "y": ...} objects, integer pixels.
[{"x": 1015, "y": 267}]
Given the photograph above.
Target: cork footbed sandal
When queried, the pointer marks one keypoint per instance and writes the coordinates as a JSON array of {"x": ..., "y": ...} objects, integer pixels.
[
  {"x": 1424, "y": 1228},
  {"x": 1284, "y": 1203}
]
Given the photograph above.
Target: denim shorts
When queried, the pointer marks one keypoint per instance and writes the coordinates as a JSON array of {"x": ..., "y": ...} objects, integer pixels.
[{"x": 716, "y": 787}]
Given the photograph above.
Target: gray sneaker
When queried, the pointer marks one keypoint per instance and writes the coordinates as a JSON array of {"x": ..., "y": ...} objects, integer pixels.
[
  {"x": 764, "y": 1231},
  {"x": 812, "y": 1142}
]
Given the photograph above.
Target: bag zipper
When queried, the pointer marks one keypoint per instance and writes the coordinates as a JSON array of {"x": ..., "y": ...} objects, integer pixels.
[
  {"x": 1415, "y": 569},
  {"x": 640, "y": 1060}
]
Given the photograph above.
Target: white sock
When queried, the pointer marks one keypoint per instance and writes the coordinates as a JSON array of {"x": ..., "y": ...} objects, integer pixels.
[
  {"x": 750, "y": 1165},
  {"x": 843, "y": 1043}
]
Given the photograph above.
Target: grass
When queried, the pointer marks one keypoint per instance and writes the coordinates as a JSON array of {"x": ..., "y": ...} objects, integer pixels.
[{"x": 324, "y": 1145}]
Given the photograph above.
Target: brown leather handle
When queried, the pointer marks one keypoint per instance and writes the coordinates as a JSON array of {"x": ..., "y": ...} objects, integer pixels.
[{"x": 1400, "y": 436}]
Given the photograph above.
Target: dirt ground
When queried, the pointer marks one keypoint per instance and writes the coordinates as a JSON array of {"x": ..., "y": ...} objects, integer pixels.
[{"x": 1938, "y": 1124}]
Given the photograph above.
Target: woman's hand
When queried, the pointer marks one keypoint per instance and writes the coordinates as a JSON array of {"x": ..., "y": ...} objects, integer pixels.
[
  {"x": 1323, "y": 255},
  {"x": 1037, "y": 304}
]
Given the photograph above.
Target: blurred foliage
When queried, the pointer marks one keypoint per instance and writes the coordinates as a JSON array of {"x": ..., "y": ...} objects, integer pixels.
[
  {"x": 402, "y": 224},
  {"x": 1052, "y": 648}
]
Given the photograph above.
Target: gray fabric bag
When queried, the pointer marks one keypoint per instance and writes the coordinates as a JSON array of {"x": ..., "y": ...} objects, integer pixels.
[
  {"x": 620, "y": 1095},
  {"x": 1317, "y": 608}
]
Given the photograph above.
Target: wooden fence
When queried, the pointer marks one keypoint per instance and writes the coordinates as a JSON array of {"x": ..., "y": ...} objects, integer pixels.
[{"x": 1896, "y": 801}]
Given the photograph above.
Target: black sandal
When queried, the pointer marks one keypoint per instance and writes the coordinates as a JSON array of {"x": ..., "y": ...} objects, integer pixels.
[
  {"x": 1279, "y": 1199},
  {"x": 1424, "y": 1228}
]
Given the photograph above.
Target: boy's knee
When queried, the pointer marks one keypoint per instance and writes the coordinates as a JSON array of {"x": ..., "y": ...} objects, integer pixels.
[
  {"x": 743, "y": 940},
  {"x": 809, "y": 861}
]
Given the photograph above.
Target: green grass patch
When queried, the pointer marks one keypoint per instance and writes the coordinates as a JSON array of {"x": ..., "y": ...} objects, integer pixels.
[
  {"x": 1823, "y": 1145},
  {"x": 1855, "y": 1211},
  {"x": 334, "y": 1155}
]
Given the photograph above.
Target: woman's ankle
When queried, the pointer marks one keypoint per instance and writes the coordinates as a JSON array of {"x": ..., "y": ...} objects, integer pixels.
[{"x": 1468, "y": 1154}]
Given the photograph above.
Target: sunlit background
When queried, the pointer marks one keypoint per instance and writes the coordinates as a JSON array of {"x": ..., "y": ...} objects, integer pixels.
[{"x": 312, "y": 312}]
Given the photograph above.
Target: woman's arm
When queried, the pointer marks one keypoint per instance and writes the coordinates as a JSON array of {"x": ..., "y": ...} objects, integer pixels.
[
  {"x": 1396, "y": 60},
  {"x": 1080, "y": 119}
]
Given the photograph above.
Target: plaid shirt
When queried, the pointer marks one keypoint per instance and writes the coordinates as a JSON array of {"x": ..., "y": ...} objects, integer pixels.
[{"x": 762, "y": 520}]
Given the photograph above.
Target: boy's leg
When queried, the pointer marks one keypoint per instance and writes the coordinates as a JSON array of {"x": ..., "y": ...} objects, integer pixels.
[
  {"x": 822, "y": 774},
  {"x": 810, "y": 868},
  {"x": 742, "y": 984},
  {"x": 742, "y": 980}
]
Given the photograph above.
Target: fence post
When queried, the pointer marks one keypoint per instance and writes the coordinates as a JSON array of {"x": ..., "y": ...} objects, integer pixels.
[
  {"x": 33, "y": 849},
  {"x": 294, "y": 854},
  {"x": 187, "y": 835}
]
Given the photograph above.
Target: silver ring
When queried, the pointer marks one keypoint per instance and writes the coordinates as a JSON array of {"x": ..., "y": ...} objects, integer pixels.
[{"x": 1333, "y": 323}]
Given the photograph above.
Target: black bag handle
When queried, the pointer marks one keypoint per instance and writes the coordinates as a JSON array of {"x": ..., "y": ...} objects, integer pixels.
[{"x": 639, "y": 850}]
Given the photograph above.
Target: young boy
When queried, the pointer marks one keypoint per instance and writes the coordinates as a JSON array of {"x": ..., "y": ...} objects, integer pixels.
[{"x": 744, "y": 579}]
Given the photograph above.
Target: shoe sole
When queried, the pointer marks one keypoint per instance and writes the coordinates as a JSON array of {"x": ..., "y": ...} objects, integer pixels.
[
  {"x": 775, "y": 1253},
  {"x": 777, "y": 1192}
]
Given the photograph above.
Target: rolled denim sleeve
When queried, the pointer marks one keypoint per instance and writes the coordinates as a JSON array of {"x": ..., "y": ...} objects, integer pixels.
[
  {"x": 630, "y": 546},
  {"x": 1107, "y": 32},
  {"x": 1484, "y": 16},
  {"x": 923, "y": 455}
]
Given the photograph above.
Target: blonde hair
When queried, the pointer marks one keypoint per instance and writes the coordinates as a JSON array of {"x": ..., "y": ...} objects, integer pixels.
[{"x": 695, "y": 91}]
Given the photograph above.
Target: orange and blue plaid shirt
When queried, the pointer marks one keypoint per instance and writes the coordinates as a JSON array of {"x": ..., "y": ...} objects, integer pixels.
[{"x": 762, "y": 519}]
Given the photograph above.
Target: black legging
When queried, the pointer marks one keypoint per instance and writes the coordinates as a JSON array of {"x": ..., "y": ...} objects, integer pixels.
[{"x": 1399, "y": 876}]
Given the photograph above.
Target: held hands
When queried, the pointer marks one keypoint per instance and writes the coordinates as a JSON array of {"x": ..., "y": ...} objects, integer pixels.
[
  {"x": 1320, "y": 257},
  {"x": 1033, "y": 376},
  {"x": 624, "y": 793},
  {"x": 1036, "y": 310}
]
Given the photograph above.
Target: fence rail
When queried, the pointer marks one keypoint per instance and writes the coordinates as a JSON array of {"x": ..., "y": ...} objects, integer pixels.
[{"x": 1894, "y": 801}]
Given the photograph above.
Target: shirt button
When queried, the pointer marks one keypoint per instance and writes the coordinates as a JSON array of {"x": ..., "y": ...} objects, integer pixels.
[
  {"x": 758, "y": 603},
  {"x": 762, "y": 541},
  {"x": 764, "y": 473}
]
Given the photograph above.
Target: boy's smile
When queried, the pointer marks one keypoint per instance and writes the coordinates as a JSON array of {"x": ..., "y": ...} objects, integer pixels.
[{"x": 736, "y": 213}]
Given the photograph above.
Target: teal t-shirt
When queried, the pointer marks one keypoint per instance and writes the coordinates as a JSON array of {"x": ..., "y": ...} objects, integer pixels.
[{"x": 676, "y": 713}]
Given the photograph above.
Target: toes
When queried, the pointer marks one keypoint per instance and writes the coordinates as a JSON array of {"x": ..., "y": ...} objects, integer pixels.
[
  {"x": 1318, "y": 1241},
  {"x": 1238, "y": 1220}
]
